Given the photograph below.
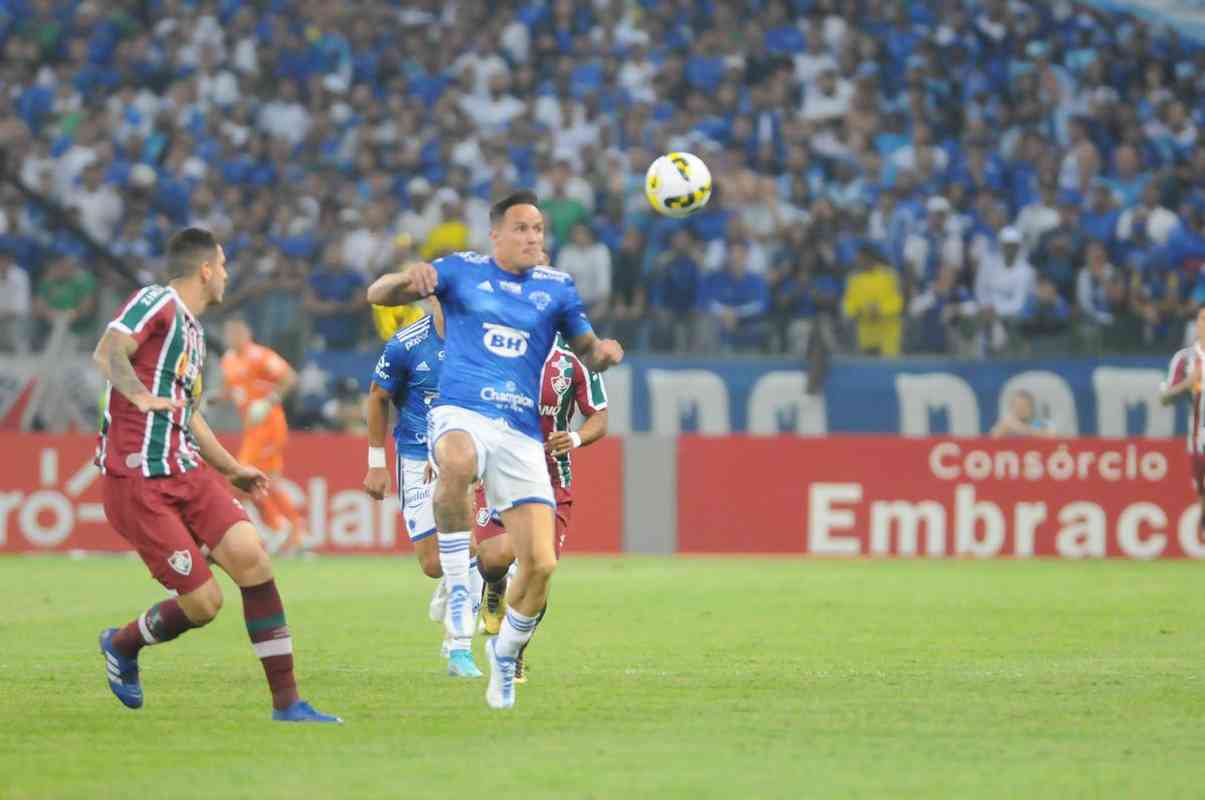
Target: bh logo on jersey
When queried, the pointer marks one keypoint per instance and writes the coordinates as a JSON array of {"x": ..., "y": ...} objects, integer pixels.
[{"x": 503, "y": 341}]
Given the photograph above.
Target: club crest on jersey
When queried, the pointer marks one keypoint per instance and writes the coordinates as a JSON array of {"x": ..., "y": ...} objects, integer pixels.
[
  {"x": 540, "y": 299},
  {"x": 483, "y": 516},
  {"x": 181, "y": 562},
  {"x": 503, "y": 341},
  {"x": 562, "y": 371}
]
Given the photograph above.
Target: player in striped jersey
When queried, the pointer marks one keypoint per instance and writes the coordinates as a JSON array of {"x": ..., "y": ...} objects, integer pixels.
[
  {"x": 1184, "y": 380},
  {"x": 166, "y": 480},
  {"x": 566, "y": 386}
]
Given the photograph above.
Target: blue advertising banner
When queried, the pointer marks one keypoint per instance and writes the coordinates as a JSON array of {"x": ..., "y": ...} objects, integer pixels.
[{"x": 915, "y": 397}]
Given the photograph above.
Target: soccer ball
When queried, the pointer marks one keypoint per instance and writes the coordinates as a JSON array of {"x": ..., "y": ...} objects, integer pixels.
[{"x": 678, "y": 184}]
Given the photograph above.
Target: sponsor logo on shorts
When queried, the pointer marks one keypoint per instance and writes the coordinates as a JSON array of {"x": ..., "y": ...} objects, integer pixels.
[
  {"x": 134, "y": 460},
  {"x": 181, "y": 562},
  {"x": 503, "y": 341}
]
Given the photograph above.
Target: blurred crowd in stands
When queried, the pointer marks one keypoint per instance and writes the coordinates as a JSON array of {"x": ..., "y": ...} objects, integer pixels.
[{"x": 938, "y": 176}]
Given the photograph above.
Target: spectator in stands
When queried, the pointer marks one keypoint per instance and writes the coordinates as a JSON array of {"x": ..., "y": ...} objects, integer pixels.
[
  {"x": 1099, "y": 292},
  {"x": 1060, "y": 250},
  {"x": 589, "y": 262},
  {"x": 873, "y": 301},
  {"x": 14, "y": 306},
  {"x": 628, "y": 294},
  {"x": 335, "y": 299},
  {"x": 1003, "y": 285},
  {"x": 1022, "y": 419},
  {"x": 563, "y": 209},
  {"x": 944, "y": 315},
  {"x": 1099, "y": 220},
  {"x": 1042, "y": 321},
  {"x": 1147, "y": 223},
  {"x": 451, "y": 235},
  {"x": 67, "y": 291},
  {"x": 674, "y": 293},
  {"x": 938, "y": 243},
  {"x": 736, "y": 303}
]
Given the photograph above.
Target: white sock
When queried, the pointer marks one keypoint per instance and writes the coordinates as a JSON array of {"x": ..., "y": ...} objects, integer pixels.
[
  {"x": 513, "y": 569},
  {"x": 454, "y": 558},
  {"x": 516, "y": 630},
  {"x": 457, "y": 643},
  {"x": 476, "y": 584}
]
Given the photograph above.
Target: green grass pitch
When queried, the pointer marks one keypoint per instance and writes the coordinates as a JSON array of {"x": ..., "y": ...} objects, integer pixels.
[{"x": 663, "y": 678}]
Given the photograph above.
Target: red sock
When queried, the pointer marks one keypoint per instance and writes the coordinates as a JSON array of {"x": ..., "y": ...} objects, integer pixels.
[
  {"x": 160, "y": 623},
  {"x": 265, "y": 616}
]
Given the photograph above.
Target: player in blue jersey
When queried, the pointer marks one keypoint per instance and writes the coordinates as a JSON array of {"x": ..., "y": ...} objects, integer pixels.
[
  {"x": 502, "y": 314},
  {"x": 407, "y": 377}
]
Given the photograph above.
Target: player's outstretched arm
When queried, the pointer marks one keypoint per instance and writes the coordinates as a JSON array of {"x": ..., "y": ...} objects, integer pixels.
[
  {"x": 414, "y": 282},
  {"x": 1170, "y": 394},
  {"x": 597, "y": 354},
  {"x": 112, "y": 357},
  {"x": 249, "y": 479},
  {"x": 376, "y": 482}
]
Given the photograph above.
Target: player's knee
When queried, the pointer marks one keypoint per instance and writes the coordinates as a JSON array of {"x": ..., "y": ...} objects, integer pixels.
[
  {"x": 457, "y": 461},
  {"x": 429, "y": 562},
  {"x": 540, "y": 567},
  {"x": 202, "y": 605}
]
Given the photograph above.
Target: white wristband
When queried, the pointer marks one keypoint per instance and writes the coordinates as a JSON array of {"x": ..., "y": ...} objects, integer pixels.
[
  {"x": 376, "y": 458},
  {"x": 576, "y": 438}
]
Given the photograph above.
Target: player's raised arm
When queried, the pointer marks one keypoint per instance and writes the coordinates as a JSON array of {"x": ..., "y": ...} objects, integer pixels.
[
  {"x": 1183, "y": 376},
  {"x": 597, "y": 354},
  {"x": 376, "y": 482},
  {"x": 112, "y": 357},
  {"x": 414, "y": 282}
]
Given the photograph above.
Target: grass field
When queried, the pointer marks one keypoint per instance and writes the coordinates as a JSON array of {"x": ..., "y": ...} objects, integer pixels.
[{"x": 651, "y": 678}]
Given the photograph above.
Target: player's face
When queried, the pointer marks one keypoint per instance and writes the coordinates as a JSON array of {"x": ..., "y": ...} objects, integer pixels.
[
  {"x": 216, "y": 281},
  {"x": 519, "y": 238}
]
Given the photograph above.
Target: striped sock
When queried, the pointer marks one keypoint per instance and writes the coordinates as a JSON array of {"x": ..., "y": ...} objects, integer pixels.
[
  {"x": 454, "y": 558},
  {"x": 516, "y": 631},
  {"x": 160, "y": 623},
  {"x": 265, "y": 616},
  {"x": 476, "y": 584}
]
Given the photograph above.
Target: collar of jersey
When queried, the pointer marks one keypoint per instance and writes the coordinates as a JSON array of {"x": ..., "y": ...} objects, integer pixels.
[
  {"x": 180, "y": 303},
  {"x": 521, "y": 276}
]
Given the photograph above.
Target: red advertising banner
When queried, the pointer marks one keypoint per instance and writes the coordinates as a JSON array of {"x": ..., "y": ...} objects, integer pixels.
[
  {"x": 50, "y": 497},
  {"x": 934, "y": 498}
]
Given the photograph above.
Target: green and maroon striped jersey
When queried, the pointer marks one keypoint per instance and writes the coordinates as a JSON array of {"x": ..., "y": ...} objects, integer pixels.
[
  {"x": 565, "y": 385},
  {"x": 168, "y": 361}
]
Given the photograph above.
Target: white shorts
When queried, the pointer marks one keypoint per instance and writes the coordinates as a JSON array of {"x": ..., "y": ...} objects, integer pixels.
[
  {"x": 416, "y": 498},
  {"x": 511, "y": 465}
]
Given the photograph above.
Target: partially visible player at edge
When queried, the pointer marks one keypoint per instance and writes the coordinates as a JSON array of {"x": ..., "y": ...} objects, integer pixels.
[
  {"x": 566, "y": 385},
  {"x": 257, "y": 381},
  {"x": 407, "y": 376},
  {"x": 502, "y": 315},
  {"x": 1184, "y": 379},
  {"x": 165, "y": 480}
]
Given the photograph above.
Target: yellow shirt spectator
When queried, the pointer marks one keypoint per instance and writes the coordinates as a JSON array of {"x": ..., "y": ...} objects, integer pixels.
[
  {"x": 874, "y": 302},
  {"x": 446, "y": 237},
  {"x": 391, "y": 319}
]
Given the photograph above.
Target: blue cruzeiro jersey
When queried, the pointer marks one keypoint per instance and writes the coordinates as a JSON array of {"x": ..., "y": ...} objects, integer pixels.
[
  {"x": 500, "y": 327},
  {"x": 409, "y": 369}
]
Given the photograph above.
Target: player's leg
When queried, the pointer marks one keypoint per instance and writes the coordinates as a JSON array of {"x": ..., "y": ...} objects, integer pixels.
[
  {"x": 276, "y": 437},
  {"x": 564, "y": 515},
  {"x": 142, "y": 516},
  {"x": 517, "y": 484},
  {"x": 496, "y": 555},
  {"x": 456, "y": 459},
  {"x": 217, "y": 520}
]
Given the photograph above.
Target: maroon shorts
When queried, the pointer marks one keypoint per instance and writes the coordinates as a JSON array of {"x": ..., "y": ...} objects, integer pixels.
[
  {"x": 1197, "y": 462},
  {"x": 168, "y": 520},
  {"x": 488, "y": 525}
]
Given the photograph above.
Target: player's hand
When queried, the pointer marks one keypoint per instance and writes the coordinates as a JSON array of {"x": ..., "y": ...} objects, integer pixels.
[
  {"x": 258, "y": 410},
  {"x": 607, "y": 353},
  {"x": 149, "y": 402},
  {"x": 249, "y": 480},
  {"x": 423, "y": 278},
  {"x": 559, "y": 443},
  {"x": 377, "y": 483}
]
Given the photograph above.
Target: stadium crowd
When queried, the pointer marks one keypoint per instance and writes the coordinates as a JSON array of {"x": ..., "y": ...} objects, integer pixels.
[{"x": 940, "y": 176}]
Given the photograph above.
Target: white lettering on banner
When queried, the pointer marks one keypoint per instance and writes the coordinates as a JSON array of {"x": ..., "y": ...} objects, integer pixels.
[
  {"x": 907, "y": 518},
  {"x": 968, "y": 513},
  {"x": 1026, "y": 519},
  {"x": 921, "y": 394},
  {"x": 1055, "y": 400},
  {"x": 503, "y": 341},
  {"x": 8, "y": 502},
  {"x": 47, "y": 516},
  {"x": 823, "y": 519},
  {"x": 1118, "y": 390},
  {"x": 1189, "y": 532},
  {"x": 780, "y": 397},
  {"x": 676, "y": 394},
  {"x": 1129, "y": 535},
  {"x": 1083, "y": 531},
  {"x": 351, "y": 519},
  {"x": 948, "y": 462}
]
